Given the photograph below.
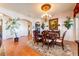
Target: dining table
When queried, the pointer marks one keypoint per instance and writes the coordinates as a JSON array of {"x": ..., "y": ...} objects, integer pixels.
[{"x": 51, "y": 34}]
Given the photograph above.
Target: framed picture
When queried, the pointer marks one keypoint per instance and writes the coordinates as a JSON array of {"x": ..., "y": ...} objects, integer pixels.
[{"x": 53, "y": 24}]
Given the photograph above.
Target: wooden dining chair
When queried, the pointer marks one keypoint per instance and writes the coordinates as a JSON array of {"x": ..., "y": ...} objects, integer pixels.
[
  {"x": 60, "y": 41},
  {"x": 46, "y": 39},
  {"x": 37, "y": 38}
]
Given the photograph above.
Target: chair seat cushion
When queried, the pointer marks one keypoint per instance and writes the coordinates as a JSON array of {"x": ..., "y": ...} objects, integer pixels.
[
  {"x": 48, "y": 40},
  {"x": 39, "y": 38},
  {"x": 58, "y": 40}
]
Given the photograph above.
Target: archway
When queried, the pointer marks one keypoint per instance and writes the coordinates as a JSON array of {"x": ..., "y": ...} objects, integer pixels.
[{"x": 23, "y": 28}]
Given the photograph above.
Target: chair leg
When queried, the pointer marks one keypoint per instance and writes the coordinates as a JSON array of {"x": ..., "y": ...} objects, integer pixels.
[
  {"x": 48, "y": 45},
  {"x": 62, "y": 46},
  {"x": 34, "y": 42},
  {"x": 43, "y": 44},
  {"x": 53, "y": 43}
]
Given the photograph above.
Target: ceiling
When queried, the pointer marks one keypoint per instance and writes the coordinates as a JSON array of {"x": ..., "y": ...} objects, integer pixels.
[{"x": 34, "y": 9}]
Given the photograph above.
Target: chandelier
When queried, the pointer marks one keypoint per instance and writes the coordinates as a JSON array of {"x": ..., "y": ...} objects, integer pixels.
[
  {"x": 46, "y": 16},
  {"x": 46, "y": 8}
]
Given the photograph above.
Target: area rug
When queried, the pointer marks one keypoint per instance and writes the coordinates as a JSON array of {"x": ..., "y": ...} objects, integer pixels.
[{"x": 52, "y": 51}]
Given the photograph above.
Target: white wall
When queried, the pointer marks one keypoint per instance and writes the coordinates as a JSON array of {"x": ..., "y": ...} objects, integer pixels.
[
  {"x": 61, "y": 18},
  {"x": 69, "y": 35},
  {"x": 23, "y": 28}
]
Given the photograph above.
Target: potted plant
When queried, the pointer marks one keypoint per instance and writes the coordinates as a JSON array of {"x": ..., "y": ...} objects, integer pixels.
[
  {"x": 12, "y": 25},
  {"x": 68, "y": 23}
]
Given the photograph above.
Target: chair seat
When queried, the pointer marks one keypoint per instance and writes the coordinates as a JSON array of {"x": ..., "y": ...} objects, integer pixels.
[
  {"x": 48, "y": 40},
  {"x": 39, "y": 38},
  {"x": 58, "y": 40}
]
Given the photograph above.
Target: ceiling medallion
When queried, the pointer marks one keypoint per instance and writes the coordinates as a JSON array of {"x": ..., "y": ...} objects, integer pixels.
[{"x": 45, "y": 7}]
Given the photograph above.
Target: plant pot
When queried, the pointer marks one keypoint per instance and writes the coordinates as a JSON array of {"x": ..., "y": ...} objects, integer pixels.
[{"x": 16, "y": 39}]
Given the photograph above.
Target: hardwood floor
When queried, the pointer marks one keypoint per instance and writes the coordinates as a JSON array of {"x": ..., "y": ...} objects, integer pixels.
[
  {"x": 22, "y": 49},
  {"x": 19, "y": 48}
]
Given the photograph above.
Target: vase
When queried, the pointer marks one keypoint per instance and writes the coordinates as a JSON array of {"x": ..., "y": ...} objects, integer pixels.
[{"x": 16, "y": 39}]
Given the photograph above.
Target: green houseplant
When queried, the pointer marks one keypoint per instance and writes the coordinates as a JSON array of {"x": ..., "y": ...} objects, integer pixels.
[
  {"x": 12, "y": 25},
  {"x": 68, "y": 23}
]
